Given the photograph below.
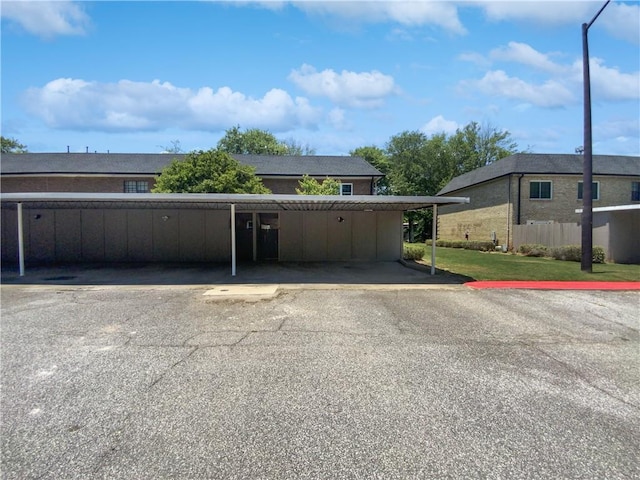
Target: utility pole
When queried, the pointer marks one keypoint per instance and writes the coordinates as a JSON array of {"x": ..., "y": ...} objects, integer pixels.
[{"x": 587, "y": 163}]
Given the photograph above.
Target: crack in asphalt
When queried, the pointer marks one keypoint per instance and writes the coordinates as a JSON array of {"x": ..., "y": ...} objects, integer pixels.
[{"x": 581, "y": 377}]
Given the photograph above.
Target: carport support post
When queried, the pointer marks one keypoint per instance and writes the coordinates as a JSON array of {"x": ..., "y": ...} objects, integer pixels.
[
  {"x": 20, "y": 240},
  {"x": 434, "y": 224},
  {"x": 233, "y": 239}
]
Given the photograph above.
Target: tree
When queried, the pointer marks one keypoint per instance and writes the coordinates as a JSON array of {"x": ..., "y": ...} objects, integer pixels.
[
  {"x": 311, "y": 186},
  {"x": 11, "y": 145},
  {"x": 476, "y": 146},
  {"x": 174, "y": 148},
  {"x": 211, "y": 171},
  {"x": 252, "y": 141},
  {"x": 295, "y": 148},
  {"x": 378, "y": 158},
  {"x": 410, "y": 173}
]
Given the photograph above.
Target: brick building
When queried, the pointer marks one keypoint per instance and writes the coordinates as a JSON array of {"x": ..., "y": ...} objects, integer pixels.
[
  {"x": 529, "y": 189},
  {"x": 136, "y": 173}
]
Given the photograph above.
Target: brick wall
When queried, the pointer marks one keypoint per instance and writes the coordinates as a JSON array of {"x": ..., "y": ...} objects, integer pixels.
[
  {"x": 488, "y": 212},
  {"x": 96, "y": 184},
  {"x": 561, "y": 208},
  {"x": 93, "y": 184},
  {"x": 494, "y": 208}
]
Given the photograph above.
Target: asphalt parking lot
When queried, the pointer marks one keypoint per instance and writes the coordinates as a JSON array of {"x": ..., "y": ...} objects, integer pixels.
[{"x": 371, "y": 381}]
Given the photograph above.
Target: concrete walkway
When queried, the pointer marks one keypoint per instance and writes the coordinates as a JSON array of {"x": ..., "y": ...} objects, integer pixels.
[{"x": 310, "y": 274}]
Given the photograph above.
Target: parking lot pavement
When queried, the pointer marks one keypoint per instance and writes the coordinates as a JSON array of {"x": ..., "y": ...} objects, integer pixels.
[{"x": 161, "y": 382}]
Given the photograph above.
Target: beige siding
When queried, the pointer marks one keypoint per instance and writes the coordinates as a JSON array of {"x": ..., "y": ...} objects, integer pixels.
[{"x": 172, "y": 235}]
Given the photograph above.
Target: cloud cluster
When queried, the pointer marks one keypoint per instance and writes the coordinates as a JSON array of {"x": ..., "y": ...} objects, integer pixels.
[
  {"x": 65, "y": 17},
  {"x": 563, "y": 86},
  {"x": 47, "y": 19},
  {"x": 125, "y": 105},
  {"x": 352, "y": 89}
]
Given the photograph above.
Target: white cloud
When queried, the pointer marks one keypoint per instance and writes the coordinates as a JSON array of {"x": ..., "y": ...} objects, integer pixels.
[
  {"x": 608, "y": 83},
  {"x": 440, "y": 125},
  {"x": 560, "y": 89},
  {"x": 415, "y": 13},
  {"x": 497, "y": 83},
  {"x": 526, "y": 55},
  {"x": 68, "y": 103},
  {"x": 47, "y": 19},
  {"x": 362, "y": 90},
  {"x": 548, "y": 13},
  {"x": 621, "y": 20}
]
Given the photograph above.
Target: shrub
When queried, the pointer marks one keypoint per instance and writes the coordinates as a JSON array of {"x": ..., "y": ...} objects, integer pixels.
[
  {"x": 533, "y": 250},
  {"x": 573, "y": 253},
  {"x": 413, "y": 251},
  {"x": 467, "y": 245},
  {"x": 597, "y": 254}
]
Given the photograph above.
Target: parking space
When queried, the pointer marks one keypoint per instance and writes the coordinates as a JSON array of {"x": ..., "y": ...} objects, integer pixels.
[{"x": 378, "y": 381}]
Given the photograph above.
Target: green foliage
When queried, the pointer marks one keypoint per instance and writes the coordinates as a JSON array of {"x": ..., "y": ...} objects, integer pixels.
[
  {"x": 211, "y": 171},
  {"x": 573, "y": 253},
  {"x": 376, "y": 157},
  {"x": 252, "y": 141},
  {"x": 310, "y": 186},
  {"x": 420, "y": 165},
  {"x": 413, "y": 251},
  {"x": 597, "y": 254},
  {"x": 533, "y": 250},
  {"x": 467, "y": 245},
  {"x": 11, "y": 145}
]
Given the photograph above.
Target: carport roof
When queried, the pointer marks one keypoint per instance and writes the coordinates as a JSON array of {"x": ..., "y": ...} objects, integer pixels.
[{"x": 222, "y": 201}]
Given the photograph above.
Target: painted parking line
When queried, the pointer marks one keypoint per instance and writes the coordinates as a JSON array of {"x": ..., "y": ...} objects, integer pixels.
[{"x": 554, "y": 285}]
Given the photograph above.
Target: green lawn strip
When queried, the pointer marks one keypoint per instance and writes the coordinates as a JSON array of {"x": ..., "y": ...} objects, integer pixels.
[{"x": 507, "y": 266}]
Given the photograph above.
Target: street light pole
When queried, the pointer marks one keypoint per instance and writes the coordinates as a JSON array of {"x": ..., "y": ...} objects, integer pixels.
[{"x": 587, "y": 163}]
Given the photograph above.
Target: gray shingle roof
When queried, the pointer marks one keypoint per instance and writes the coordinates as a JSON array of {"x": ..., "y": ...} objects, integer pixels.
[
  {"x": 543, "y": 164},
  {"x": 152, "y": 164}
]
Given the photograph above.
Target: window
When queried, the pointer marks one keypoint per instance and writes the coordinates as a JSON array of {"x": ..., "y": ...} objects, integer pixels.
[
  {"x": 346, "y": 189},
  {"x": 540, "y": 190},
  {"x": 136, "y": 186},
  {"x": 635, "y": 191},
  {"x": 595, "y": 191}
]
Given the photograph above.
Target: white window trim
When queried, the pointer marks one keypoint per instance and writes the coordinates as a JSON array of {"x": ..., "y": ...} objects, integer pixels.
[
  {"x": 350, "y": 184},
  {"x": 597, "y": 197},
  {"x": 550, "y": 182}
]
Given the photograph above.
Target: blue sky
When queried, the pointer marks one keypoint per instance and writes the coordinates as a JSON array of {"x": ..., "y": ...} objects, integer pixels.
[{"x": 333, "y": 75}]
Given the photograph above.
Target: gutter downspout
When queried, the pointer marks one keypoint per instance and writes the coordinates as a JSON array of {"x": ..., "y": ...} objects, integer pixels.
[
  {"x": 20, "y": 240},
  {"x": 233, "y": 239},
  {"x": 509, "y": 213},
  {"x": 434, "y": 225},
  {"x": 519, "y": 198}
]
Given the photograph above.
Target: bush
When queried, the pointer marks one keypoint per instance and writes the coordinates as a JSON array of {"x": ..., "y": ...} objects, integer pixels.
[
  {"x": 533, "y": 250},
  {"x": 481, "y": 246},
  {"x": 413, "y": 251},
  {"x": 573, "y": 253},
  {"x": 597, "y": 254}
]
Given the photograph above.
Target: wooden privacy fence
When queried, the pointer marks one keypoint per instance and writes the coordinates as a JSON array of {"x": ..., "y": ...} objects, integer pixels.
[{"x": 558, "y": 235}]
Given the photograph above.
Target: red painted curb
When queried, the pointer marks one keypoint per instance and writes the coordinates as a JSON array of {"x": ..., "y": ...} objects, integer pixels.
[{"x": 555, "y": 285}]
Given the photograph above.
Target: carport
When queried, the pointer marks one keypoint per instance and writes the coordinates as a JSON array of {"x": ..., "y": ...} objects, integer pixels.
[{"x": 110, "y": 227}]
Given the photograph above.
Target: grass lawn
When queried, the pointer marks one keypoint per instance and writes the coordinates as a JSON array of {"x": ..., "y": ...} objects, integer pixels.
[{"x": 507, "y": 266}]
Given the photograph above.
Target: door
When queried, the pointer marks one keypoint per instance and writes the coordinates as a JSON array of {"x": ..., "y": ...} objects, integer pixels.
[{"x": 268, "y": 236}]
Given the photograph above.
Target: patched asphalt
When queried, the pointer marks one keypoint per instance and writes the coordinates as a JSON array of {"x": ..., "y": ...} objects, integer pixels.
[{"x": 389, "y": 380}]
